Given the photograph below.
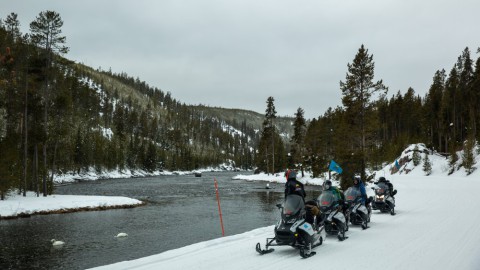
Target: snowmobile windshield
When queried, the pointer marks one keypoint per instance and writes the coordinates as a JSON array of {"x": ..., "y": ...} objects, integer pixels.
[
  {"x": 327, "y": 198},
  {"x": 381, "y": 188},
  {"x": 293, "y": 204},
  {"x": 352, "y": 194}
]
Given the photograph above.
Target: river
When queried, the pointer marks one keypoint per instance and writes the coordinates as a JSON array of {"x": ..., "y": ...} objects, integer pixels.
[{"x": 180, "y": 210}]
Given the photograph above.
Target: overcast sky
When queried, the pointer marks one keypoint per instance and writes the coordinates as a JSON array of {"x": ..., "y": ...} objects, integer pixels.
[{"x": 235, "y": 54}]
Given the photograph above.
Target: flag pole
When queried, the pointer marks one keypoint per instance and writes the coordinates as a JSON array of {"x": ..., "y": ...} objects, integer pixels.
[{"x": 219, "y": 208}]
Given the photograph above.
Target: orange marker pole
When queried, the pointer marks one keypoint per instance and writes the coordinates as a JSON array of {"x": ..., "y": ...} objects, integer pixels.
[{"x": 219, "y": 208}]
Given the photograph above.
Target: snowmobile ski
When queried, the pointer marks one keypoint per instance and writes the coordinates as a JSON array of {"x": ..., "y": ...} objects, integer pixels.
[
  {"x": 259, "y": 249},
  {"x": 305, "y": 255}
]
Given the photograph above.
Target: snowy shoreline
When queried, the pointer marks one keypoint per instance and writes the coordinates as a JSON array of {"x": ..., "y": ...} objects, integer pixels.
[{"x": 17, "y": 206}]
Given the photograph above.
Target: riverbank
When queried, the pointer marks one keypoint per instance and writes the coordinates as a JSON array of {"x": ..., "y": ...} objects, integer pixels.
[
  {"x": 306, "y": 179},
  {"x": 16, "y": 206},
  {"x": 91, "y": 174}
]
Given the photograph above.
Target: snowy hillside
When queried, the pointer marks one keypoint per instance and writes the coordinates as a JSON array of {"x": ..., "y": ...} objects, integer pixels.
[
  {"x": 436, "y": 227},
  {"x": 440, "y": 164}
]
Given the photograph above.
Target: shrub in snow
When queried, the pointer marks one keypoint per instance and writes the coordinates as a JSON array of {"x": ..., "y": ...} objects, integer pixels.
[
  {"x": 467, "y": 158},
  {"x": 427, "y": 165},
  {"x": 452, "y": 160},
  {"x": 416, "y": 156}
]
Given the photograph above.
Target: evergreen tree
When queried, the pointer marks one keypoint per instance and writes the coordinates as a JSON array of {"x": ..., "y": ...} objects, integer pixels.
[
  {"x": 450, "y": 110},
  {"x": 271, "y": 148},
  {"x": 433, "y": 109},
  {"x": 476, "y": 98},
  {"x": 465, "y": 94},
  {"x": 357, "y": 91},
  {"x": 427, "y": 165},
  {"x": 416, "y": 156},
  {"x": 12, "y": 25},
  {"x": 452, "y": 160},
  {"x": 299, "y": 129},
  {"x": 468, "y": 159},
  {"x": 46, "y": 34}
]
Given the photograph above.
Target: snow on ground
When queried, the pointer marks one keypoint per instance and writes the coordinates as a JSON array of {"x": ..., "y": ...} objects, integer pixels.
[
  {"x": 436, "y": 227},
  {"x": 17, "y": 205}
]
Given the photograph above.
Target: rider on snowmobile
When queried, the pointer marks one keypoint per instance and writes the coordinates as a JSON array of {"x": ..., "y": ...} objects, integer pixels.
[
  {"x": 327, "y": 186},
  {"x": 389, "y": 184},
  {"x": 293, "y": 186},
  {"x": 357, "y": 182}
]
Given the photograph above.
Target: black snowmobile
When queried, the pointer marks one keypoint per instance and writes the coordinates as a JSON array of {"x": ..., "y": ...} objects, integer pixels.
[
  {"x": 293, "y": 230},
  {"x": 333, "y": 218},
  {"x": 383, "y": 200},
  {"x": 359, "y": 213}
]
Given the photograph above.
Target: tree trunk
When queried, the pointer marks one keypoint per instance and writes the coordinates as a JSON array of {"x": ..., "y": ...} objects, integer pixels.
[
  {"x": 35, "y": 170},
  {"x": 25, "y": 150},
  {"x": 53, "y": 166}
]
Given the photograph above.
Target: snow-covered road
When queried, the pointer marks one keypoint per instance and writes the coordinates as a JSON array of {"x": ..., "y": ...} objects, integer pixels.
[{"x": 436, "y": 227}]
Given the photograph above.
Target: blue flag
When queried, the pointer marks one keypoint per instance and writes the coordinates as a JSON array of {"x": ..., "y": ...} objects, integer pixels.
[
  {"x": 397, "y": 165},
  {"x": 335, "y": 167}
]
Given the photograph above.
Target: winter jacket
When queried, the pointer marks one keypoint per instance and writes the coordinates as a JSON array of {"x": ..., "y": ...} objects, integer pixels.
[
  {"x": 389, "y": 184},
  {"x": 293, "y": 186},
  {"x": 338, "y": 193},
  {"x": 361, "y": 186}
]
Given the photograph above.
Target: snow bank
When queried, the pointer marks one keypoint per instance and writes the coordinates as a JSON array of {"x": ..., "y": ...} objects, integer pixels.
[{"x": 18, "y": 206}]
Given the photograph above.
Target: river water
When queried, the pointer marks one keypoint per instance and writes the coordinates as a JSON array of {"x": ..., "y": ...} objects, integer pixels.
[{"x": 180, "y": 210}]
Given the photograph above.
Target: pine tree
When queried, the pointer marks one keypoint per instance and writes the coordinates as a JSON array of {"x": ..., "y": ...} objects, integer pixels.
[
  {"x": 269, "y": 137},
  {"x": 46, "y": 34},
  {"x": 427, "y": 165},
  {"x": 299, "y": 128},
  {"x": 468, "y": 158},
  {"x": 433, "y": 109},
  {"x": 12, "y": 25},
  {"x": 357, "y": 91},
  {"x": 416, "y": 156}
]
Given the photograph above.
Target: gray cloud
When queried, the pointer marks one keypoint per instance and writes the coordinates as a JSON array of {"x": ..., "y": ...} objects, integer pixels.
[{"x": 235, "y": 54}]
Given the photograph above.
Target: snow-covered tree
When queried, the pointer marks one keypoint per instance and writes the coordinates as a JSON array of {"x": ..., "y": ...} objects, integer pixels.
[
  {"x": 416, "y": 156},
  {"x": 427, "y": 165},
  {"x": 467, "y": 157}
]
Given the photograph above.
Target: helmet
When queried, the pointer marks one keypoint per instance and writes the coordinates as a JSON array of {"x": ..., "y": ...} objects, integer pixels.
[
  {"x": 292, "y": 174},
  {"x": 382, "y": 179},
  {"x": 327, "y": 184},
  {"x": 356, "y": 180}
]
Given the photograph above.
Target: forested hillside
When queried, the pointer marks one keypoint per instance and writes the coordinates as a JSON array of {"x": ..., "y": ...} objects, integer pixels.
[{"x": 57, "y": 116}]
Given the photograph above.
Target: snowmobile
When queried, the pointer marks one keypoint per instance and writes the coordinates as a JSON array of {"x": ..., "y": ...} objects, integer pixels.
[
  {"x": 333, "y": 218},
  {"x": 293, "y": 230},
  {"x": 359, "y": 213},
  {"x": 383, "y": 200}
]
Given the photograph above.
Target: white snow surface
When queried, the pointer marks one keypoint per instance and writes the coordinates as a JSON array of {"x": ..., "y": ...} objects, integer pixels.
[
  {"x": 16, "y": 205},
  {"x": 436, "y": 227}
]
